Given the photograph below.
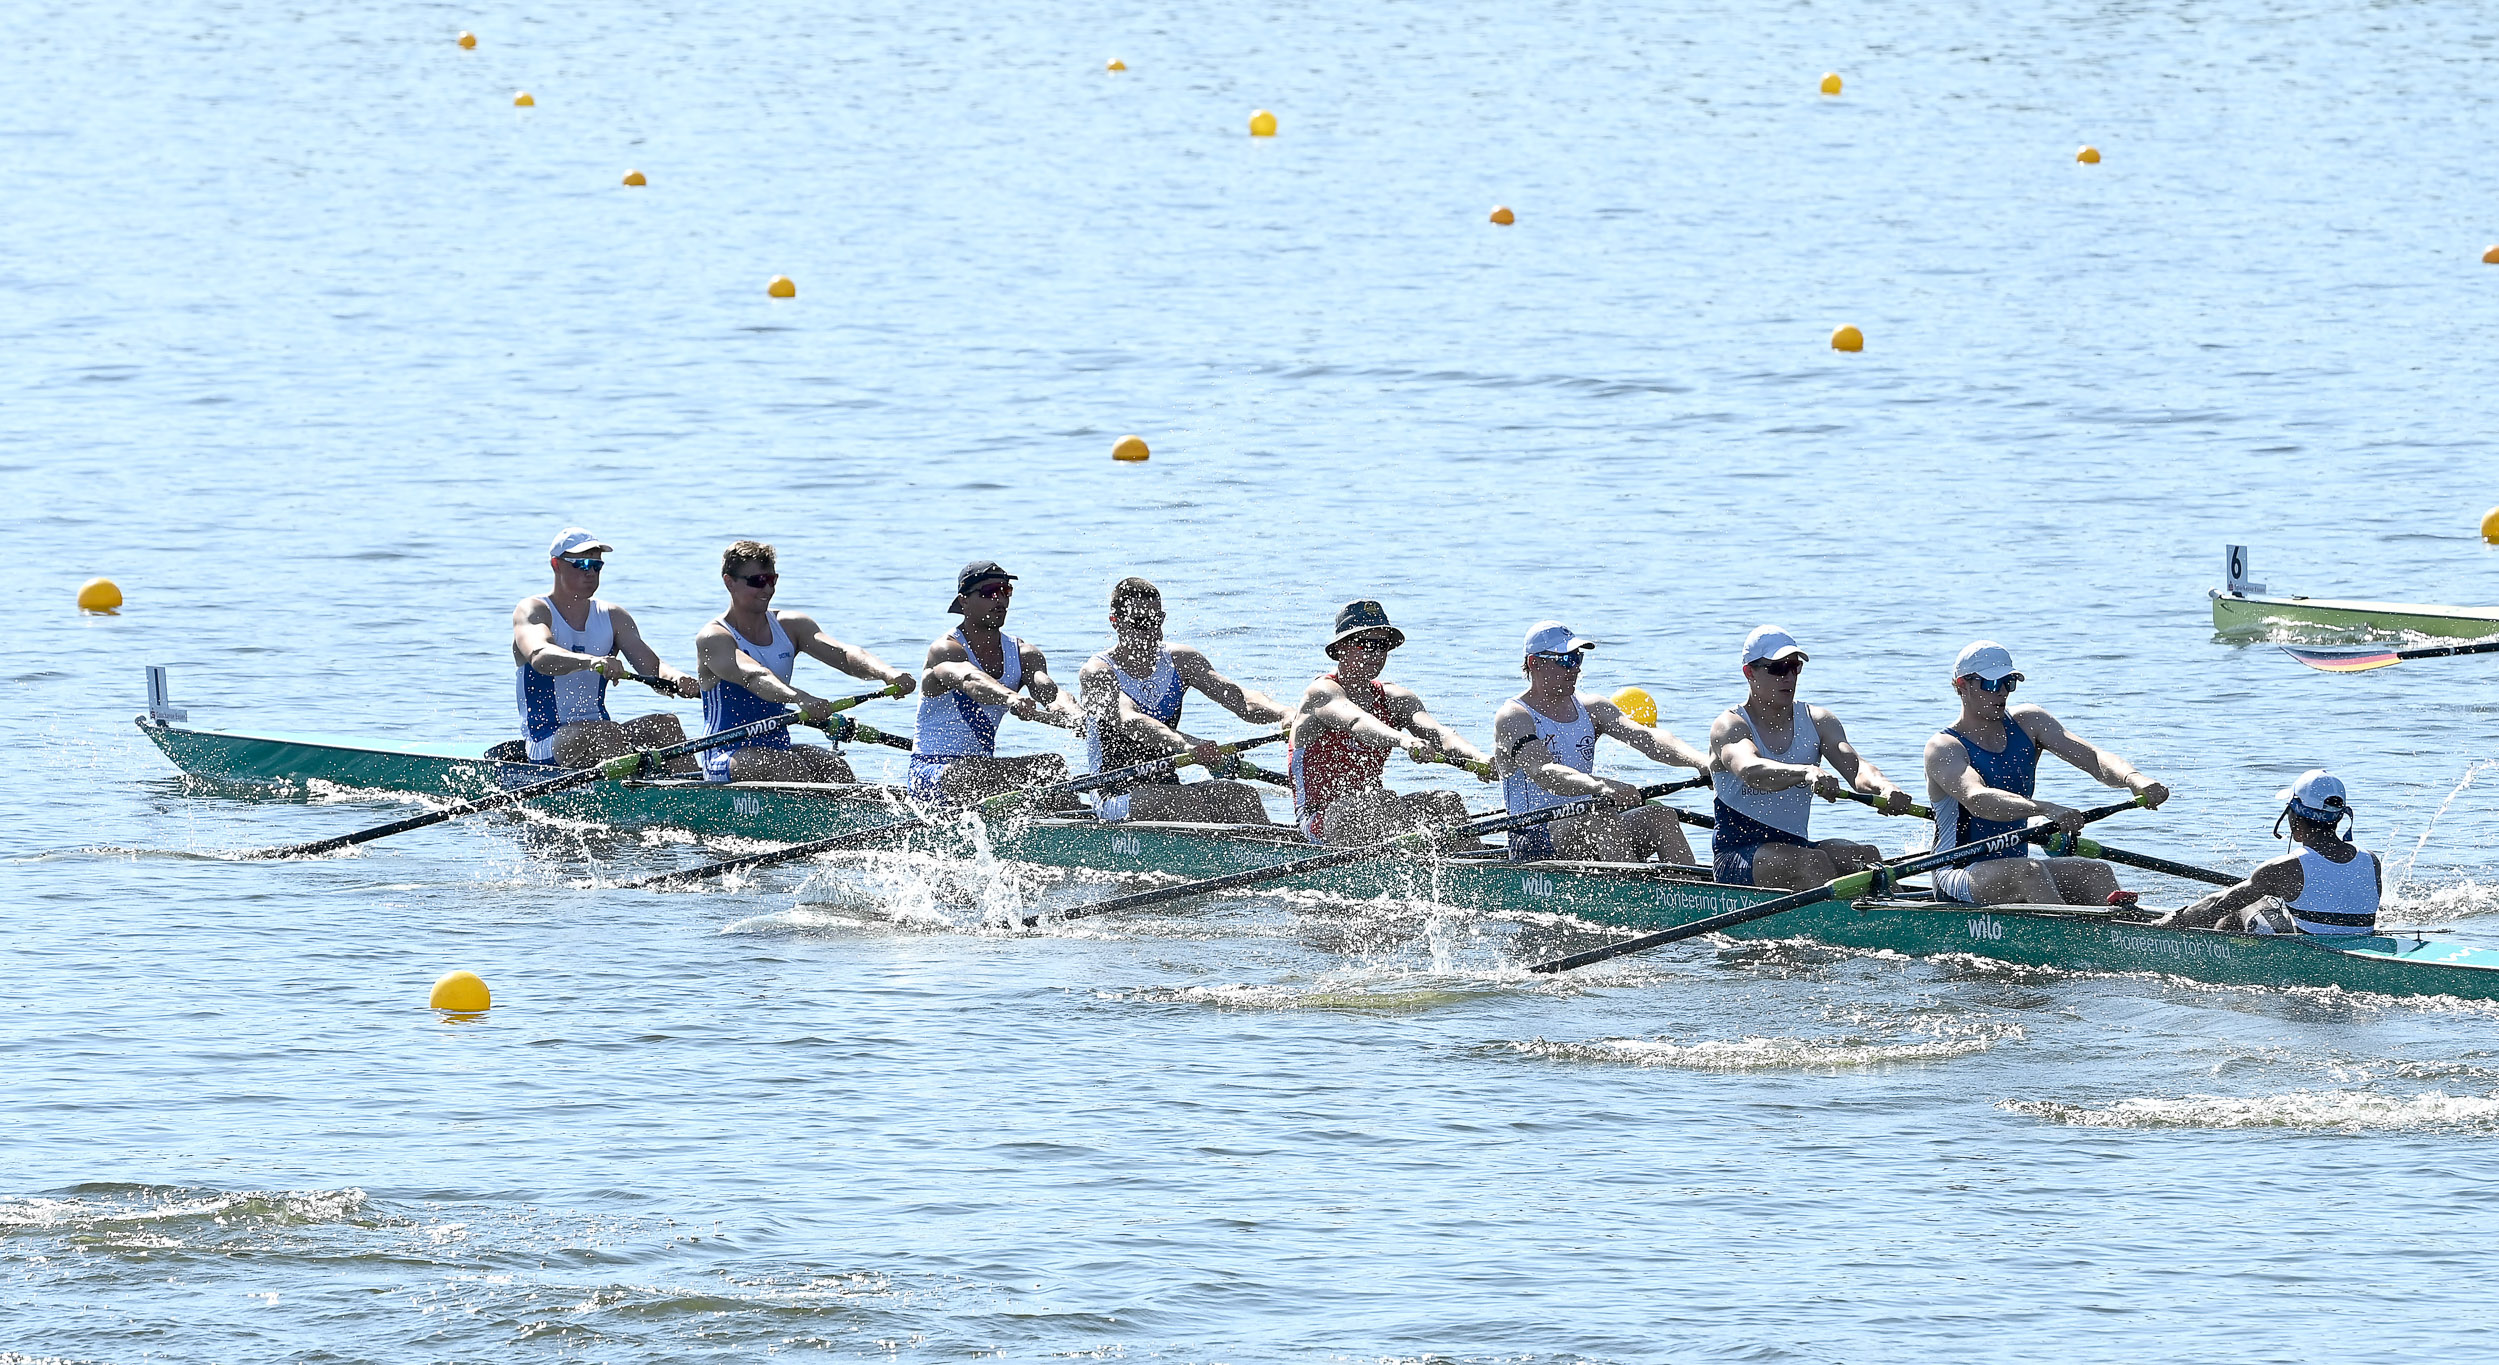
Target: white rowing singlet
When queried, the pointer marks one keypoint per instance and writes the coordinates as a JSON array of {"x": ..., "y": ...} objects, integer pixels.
[
  {"x": 952, "y": 725},
  {"x": 2336, "y": 898},
  {"x": 1790, "y": 808},
  {"x": 1573, "y": 744},
  {"x": 549, "y": 704},
  {"x": 1158, "y": 694}
]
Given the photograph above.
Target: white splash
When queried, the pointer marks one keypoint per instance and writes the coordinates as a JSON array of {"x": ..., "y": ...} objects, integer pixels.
[{"x": 2348, "y": 1111}]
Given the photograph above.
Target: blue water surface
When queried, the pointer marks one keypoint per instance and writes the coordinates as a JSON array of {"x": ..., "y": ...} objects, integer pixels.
[{"x": 311, "y": 339}]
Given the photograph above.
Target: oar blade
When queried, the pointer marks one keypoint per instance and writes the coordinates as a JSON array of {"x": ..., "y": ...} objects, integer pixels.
[{"x": 2344, "y": 658}]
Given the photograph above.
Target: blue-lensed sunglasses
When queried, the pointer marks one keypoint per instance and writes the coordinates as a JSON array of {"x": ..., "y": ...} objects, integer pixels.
[
  {"x": 585, "y": 565},
  {"x": 1572, "y": 659},
  {"x": 2003, "y": 684}
]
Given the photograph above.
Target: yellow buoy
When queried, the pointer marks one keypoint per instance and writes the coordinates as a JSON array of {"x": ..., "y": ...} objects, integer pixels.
[
  {"x": 1130, "y": 449},
  {"x": 2490, "y": 533},
  {"x": 1116, "y": 65},
  {"x": 2491, "y": 257},
  {"x": 99, "y": 595},
  {"x": 1830, "y": 82},
  {"x": 2089, "y": 156},
  {"x": 524, "y": 100},
  {"x": 635, "y": 178},
  {"x": 1848, "y": 339},
  {"x": 461, "y": 993},
  {"x": 1262, "y": 124},
  {"x": 1638, "y": 705},
  {"x": 1501, "y": 214},
  {"x": 467, "y": 39},
  {"x": 781, "y": 288}
]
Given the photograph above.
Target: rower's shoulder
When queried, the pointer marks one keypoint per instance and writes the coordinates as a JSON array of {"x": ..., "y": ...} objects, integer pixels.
[{"x": 531, "y": 608}]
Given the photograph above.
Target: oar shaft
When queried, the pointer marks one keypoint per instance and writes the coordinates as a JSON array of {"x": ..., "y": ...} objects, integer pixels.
[
  {"x": 1421, "y": 838},
  {"x": 2062, "y": 846},
  {"x": 860, "y": 838},
  {"x": 1849, "y": 887},
  {"x": 615, "y": 769}
]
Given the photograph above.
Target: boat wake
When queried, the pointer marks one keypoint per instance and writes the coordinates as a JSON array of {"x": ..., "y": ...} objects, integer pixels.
[
  {"x": 1926, "y": 1040},
  {"x": 2340, "y": 1111}
]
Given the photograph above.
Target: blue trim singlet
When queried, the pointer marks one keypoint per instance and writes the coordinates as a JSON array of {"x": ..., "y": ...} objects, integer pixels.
[
  {"x": 2014, "y": 768},
  {"x": 726, "y": 705}
]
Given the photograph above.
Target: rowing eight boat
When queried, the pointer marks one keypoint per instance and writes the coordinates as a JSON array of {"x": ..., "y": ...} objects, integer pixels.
[{"x": 1626, "y": 896}]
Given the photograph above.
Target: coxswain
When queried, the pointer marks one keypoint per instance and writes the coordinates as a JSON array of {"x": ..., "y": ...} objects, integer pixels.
[
  {"x": 565, "y": 651},
  {"x": 1980, "y": 774},
  {"x": 1132, "y": 696},
  {"x": 975, "y": 675},
  {"x": 1544, "y": 743},
  {"x": 1769, "y": 755},
  {"x": 745, "y": 658},
  {"x": 2327, "y": 886},
  {"x": 1343, "y": 731}
]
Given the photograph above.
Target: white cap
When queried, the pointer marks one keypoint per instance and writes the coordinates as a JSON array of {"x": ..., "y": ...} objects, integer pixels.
[
  {"x": 2318, "y": 792},
  {"x": 1771, "y": 642},
  {"x": 1985, "y": 659},
  {"x": 573, "y": 540},
  {"x": 1552, "y": 637}
]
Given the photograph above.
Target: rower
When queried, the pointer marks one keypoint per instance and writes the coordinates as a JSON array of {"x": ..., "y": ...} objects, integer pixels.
[
  {"x": 1768, "y": 755},
  {"x": 1132, "y": 696},
  {"x": 1544, "y": 740},
  {"x": 745, "y": 658},
  {"x": 2326, "y": 886},
  {"x": 975, "y": 675},
  {"x": 565, "y": 648},
  {"x": 1343, "y": 730},
  {"x": 1980, "y": 774}
]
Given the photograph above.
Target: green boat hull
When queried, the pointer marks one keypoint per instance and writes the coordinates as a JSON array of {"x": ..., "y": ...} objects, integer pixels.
[
  {"x": 1621, "y": 896},
  {"x": 2244, "y": 616}
]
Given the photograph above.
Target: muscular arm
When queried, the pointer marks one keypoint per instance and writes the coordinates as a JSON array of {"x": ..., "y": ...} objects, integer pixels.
[
  {"x": 1658, "y": 745},
  {"x": 1856, "y": 769},
  {"x": 1110, "y": 707},
  {"x": 1326, "y": 707},
  {"x": 716, "y": 652},
  {"x": 1056, "y": 707},
  {"x": 1517, "y": 748},
  {"x": 1731, "y": 742},
  {"x": 1948, "y": 773},
  {"x": 858, "y": 663},
  {"x": 1198, "y": 672},
  {"x": 645, "y": 659},
  {"x": 2105, "y": 767},
  {"x": 2280, "y": 879},
  {"x": 1405, "y": 702},
  {"x": 534, "y": 646}
]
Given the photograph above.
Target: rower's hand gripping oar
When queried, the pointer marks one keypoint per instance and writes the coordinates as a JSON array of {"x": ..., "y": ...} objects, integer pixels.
[
  {"x": 1421, "y": 838},
  {"x": 993, "y": 806},
  {"x": 2363, "y": 658},
  {"x": 616, "y": 769},
  {"x": 1849, "y": 887}
]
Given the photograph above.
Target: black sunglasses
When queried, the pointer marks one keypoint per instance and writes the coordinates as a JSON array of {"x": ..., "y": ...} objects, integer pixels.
[
  {"x": 1781, "y": 668},
  {"x": 755, "y": 580}
]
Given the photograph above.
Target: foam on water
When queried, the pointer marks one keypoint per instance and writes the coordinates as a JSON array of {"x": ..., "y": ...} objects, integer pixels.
[
  {"x": 1930, "y": 1040},
  {"x": 2345, "y": 1111}
]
